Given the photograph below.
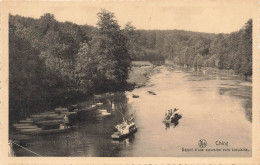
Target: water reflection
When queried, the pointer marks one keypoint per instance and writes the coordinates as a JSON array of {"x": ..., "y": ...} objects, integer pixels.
[
  {"x": 208, "y": 101},
  {"x": 168, "y": 125},
  {"x": 126, "y": 141}
]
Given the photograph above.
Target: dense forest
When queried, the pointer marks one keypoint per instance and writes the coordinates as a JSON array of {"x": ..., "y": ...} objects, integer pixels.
[
  {"x": 51, "y": 62},
  {"x": 193, "y": 49}
]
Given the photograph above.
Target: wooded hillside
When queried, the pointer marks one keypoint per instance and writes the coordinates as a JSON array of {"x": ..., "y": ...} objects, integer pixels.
[{"x": 51, "y": 62}]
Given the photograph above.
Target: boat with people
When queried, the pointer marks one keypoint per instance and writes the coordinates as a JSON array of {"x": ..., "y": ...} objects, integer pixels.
[
  {"x": 125, "y": 129},
  {"x": 172, "y": 116}
]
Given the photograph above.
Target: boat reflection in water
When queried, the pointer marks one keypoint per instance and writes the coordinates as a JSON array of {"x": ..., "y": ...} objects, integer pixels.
[
  {"x": 130, "y": 139},
  {"x": 168, "y": 125}
]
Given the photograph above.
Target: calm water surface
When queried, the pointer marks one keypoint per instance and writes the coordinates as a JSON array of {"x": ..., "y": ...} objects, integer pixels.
[{"x": 214, "y": 106}]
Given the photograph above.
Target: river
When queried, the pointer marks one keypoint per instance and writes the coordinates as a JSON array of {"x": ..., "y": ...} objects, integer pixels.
[{"x": 216, "y": 107}]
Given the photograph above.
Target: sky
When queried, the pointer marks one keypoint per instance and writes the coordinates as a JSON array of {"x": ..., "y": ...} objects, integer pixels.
[{"x": 211, "y": 16}]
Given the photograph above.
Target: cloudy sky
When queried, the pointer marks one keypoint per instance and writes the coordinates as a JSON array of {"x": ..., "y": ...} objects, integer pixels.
[{"x": 213, "y": 16}]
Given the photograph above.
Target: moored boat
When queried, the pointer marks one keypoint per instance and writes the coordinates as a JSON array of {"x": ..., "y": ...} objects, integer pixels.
[
  {"x": 30, "y": 130},
  {"x": 49, "y": 122},
  {"x": 44, "y": 116},
  {"x": 135, "y": 96},
  {"x": 26, "y": 121},
  {"x": 21, "y": 124},
  {"x": 151, "y": 92},
  {"x": 105, "y": 113},
  {"x": 26, "y": 127},
  {"x": 48, "y": 131}
]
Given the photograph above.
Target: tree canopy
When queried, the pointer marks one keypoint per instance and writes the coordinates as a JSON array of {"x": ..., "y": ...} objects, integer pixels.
[{"x": 51, "y": 61}]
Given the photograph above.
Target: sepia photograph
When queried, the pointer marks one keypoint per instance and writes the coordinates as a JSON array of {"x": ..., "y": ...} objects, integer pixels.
[{"x": 167, "y": 78}]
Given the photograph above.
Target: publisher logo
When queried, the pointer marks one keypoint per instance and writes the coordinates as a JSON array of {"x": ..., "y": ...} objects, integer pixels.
[{"x": 202, "y": 143}]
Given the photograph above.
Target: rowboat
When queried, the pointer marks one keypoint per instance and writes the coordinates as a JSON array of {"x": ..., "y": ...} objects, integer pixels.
[
  {"x": 47, "y": 113},
  {"x": 68, "y": 113},
  {"x": 151, "y": 92},
  {"x": 49, "y": 121},
  {"x": 30, "y": 130},
  {"x": 44, "y": 116},
  {"x": 26, "y": 121},
  {"x": 26, "y": 127},
  {"x": 49, "y": 131},
  {"x": 174, "y": 118},
  {"x": 129, "y": 130},
  {"x": 61, "y": 116},
  {"x": 59, "y": 110},
  {"x": 102, "y": 110},
  {"x": 135, "y": 96},
  {"x": 23, "y": 124},
  {"x": 105, "y": 113},
  {"x": 99, "y": 104}
]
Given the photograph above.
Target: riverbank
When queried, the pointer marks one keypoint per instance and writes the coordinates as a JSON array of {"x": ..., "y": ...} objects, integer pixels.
[
  {"x": 205, "y": 70},
  {"x": 140, "y": 73}
]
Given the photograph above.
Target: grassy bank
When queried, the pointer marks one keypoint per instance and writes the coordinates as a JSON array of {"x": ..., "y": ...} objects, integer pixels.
[{"x": 140, "y": 72}]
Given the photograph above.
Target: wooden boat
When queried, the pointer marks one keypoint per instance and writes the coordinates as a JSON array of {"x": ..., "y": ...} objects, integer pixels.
[
  {"x": 49, "y": 122},
  {"x": 44, "y": 116},
  {"x": 22, "y": 124},
  {"x": 49, "y": 131},
  {"x": 105, "y": 113},
  {"x": 68, "y": 113},
  {"x": 26, "y": 121},
  {"x": 30, "y": 130},
  {"x": 99, "y": 104},
  {"x": 61, "y": 116},
  {"x": 59, "y": 110},
  {"x": 102, "y": 110},
  {"x": 135, "y": 96},
  {"x": 151, "y": 92},
  {"x": 129, "y": 130},
  {"x": 47, "y": 113},
  {"x": 26, "y": 127}
]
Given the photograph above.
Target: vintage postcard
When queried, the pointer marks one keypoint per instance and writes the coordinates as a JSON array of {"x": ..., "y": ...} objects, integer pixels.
[{"x": 130, "y": 82}]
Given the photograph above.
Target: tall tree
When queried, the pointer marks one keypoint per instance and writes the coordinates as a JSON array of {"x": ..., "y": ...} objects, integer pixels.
[{"x": 107, "y": 55}]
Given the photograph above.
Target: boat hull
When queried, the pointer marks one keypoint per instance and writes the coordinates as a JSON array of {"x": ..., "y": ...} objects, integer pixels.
[
  {"x": 43, "y": 132},
  {"x": 118, "y": 136}
]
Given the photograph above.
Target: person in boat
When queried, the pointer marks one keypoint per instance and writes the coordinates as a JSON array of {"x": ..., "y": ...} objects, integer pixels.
[
  {"x": 175, "y": 109},
  {"x": 66, "y": 121},
  {"x": 121, "y": 127},
  {"x": 131, "y": 119},
  {"x": 169, "y": 114}
]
